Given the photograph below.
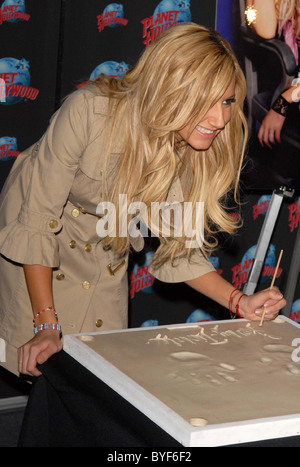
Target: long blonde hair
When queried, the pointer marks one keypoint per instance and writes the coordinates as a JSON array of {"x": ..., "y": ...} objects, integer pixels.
[
  {"x": 177, "y": 80},
  {"x": 288, "y": 10}
]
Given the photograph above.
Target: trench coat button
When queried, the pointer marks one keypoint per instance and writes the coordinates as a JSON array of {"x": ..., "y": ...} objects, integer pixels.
[
  {"x": 86, "y": 285},
  {"x": 99, "y": 323},
  {"x": 72, "y": 244},
  {"x": 60, "y": 277},
  {"x": 82, "y": 210},
  {"x": 53, "y": 224},
  {"x": 88, "y": 247},
  {"x": 75, "y": 212}
]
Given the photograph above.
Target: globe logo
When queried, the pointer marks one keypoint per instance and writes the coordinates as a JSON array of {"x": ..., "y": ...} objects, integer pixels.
[
  {"x": 18, "y": 7},
  {"x": 264, "y": 199},
  {"x": 168, "y": 13},
  {"x": 15, "y": 73},
  {"x": 295, "y": 311},
  {"x": 183, "y": 6},
  {"x": 8, "y": 148},
  {"x": 270, "y": 260},
  {"x": 118, "y": 11},
  {"x": 199, "y": 315},
  {"x": 149, "y": 323},
  {"x": 111, "y": 69},
  {"x": 215, "y": 261}
]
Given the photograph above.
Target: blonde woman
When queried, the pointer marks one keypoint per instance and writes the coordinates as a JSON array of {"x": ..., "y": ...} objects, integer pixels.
[
  {"x": 170, "y": 130},
  {"x": 278, "y": 18}
]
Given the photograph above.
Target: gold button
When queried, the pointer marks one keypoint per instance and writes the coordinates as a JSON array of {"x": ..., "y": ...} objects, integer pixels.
[
  {"x": 88, "y": 247},
  {"x": 72, "y": 244},
  {"x": 60, "y": 277},
  {"x": 81, "y": 209},
  {"x": 53, "y": 224},
  {"x": 86, "y": 285},
  {"x": 75, "y": 212},
  {"x": 99, "y": 323}
]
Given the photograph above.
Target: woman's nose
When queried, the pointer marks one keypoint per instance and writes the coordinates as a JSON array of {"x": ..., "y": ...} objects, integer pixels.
[{"x": 216, "y": 116}]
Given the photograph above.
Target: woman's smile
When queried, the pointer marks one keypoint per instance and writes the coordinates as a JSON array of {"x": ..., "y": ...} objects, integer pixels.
[
  {"x": 212, "y": 123},
  {"x": 205, "y": 131}
]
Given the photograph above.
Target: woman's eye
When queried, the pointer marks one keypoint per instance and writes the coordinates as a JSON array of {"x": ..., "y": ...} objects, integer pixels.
[{"x": 229, "y": 101}]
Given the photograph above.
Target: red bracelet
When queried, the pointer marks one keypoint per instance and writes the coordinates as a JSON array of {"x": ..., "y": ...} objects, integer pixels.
[
  {"x": 230, "y": 302},
  {"x": 50, "y": 308},
  {"x": 237, "y": 313}
]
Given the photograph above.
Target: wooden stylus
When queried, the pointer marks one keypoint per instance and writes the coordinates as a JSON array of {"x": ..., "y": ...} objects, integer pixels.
[{"x": 271, "y": 287}]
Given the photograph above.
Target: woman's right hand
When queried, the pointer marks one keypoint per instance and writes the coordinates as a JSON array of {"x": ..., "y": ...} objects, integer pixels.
[{"x": 38, "y": 350}]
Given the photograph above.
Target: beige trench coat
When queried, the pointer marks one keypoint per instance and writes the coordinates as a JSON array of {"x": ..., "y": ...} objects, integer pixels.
[{"x": 48, "y": 217}]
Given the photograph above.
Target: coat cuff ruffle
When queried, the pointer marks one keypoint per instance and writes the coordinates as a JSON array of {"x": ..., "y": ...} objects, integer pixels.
[{"x": 24, "y": 246}]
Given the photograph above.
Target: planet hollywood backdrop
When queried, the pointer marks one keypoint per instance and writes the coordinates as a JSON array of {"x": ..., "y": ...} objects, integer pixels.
[{"x": 50, "y": 48}]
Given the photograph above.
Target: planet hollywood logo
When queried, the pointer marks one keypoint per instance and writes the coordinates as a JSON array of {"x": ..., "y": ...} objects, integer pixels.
[
  {"x": 8, "y": 148},
  {"x": 140, "y": 277},
  {"x": 295, "y": 311},
  {"x": 110, "y": 68},
  {"x": 168, "y": 13},
  {"x": 13, "y": 11},
  {"x": 112, "y": 17},
  {"x": 240, "y": 272},
  {"x": 14, "y": 73},
  {"x": 294, "y": 215},
  {"x": 200, "y": 316},
  {"x": 262, "y": 206},
  {"x": 2, "y": 90}
]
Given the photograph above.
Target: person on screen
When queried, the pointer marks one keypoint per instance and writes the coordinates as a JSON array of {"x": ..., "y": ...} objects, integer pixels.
[{"x": 279, "y": 18}]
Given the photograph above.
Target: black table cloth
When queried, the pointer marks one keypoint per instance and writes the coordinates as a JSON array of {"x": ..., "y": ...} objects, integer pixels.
[{"x": 70, "y": 407}]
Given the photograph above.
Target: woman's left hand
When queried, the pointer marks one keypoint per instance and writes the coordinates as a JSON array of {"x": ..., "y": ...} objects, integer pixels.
[
  {"x": 270, "y": 129},
  {"x": 251, "y": 307}
]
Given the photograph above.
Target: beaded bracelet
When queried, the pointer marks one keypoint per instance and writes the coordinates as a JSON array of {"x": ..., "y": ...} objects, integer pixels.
[
  {"x": 50, "y": 308},
  {"x": 45, "y": 326}
]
